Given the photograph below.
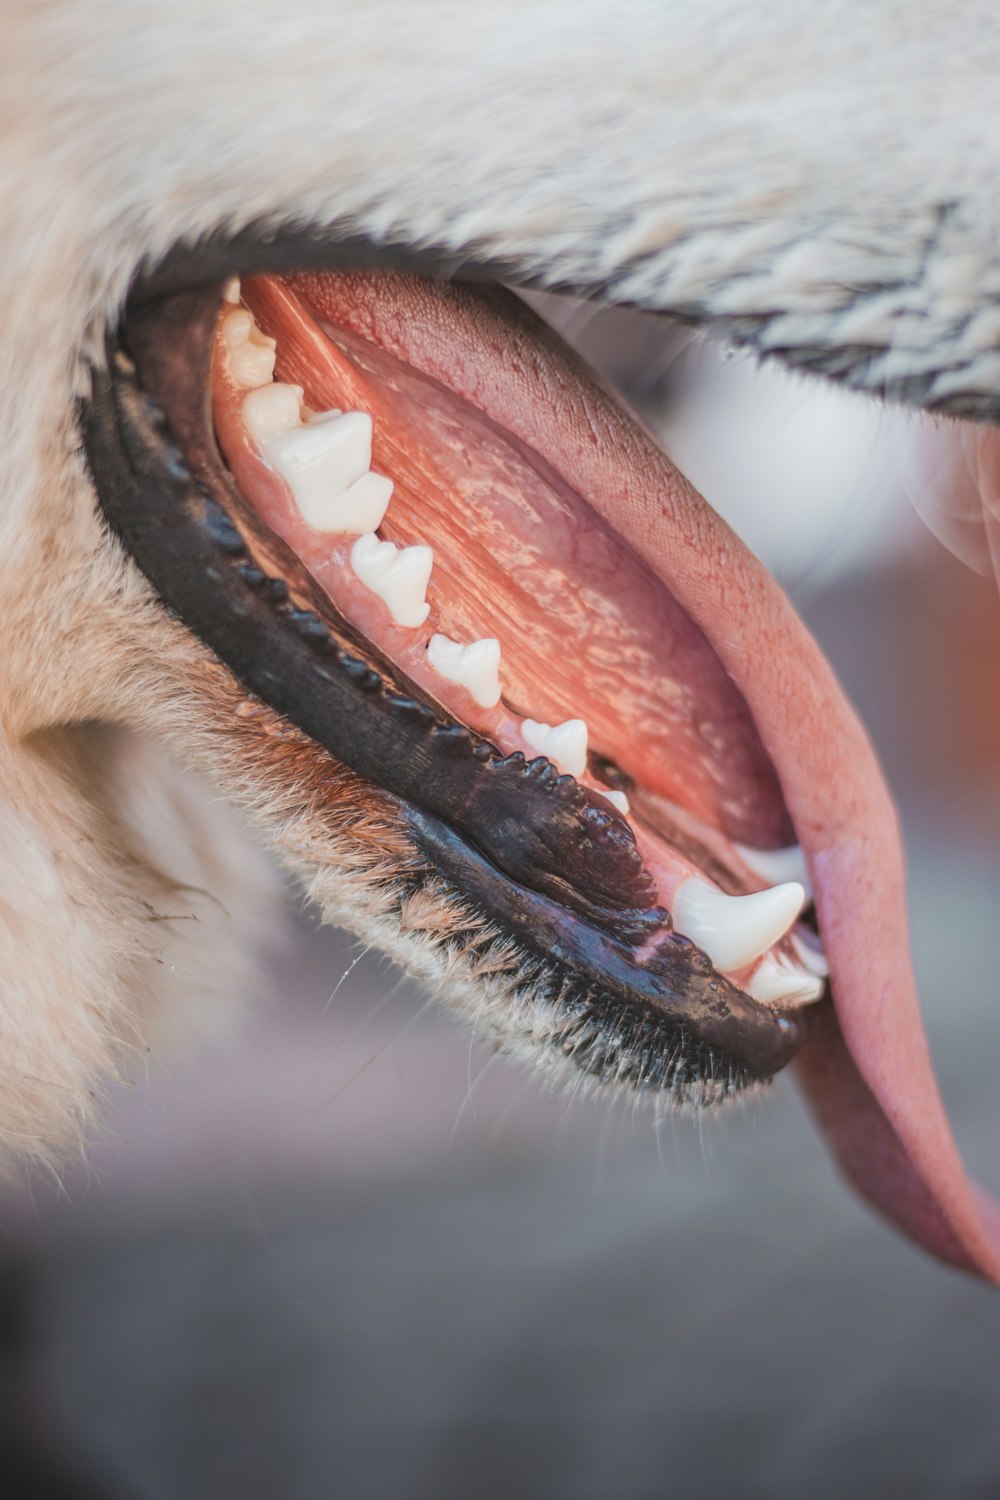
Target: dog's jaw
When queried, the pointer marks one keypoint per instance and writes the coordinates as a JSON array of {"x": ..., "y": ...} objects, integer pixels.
[{"x": 897, "y": 296}]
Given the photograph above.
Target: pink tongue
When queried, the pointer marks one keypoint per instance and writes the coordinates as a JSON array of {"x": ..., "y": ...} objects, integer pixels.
[{"x": 866, "y": 1069}]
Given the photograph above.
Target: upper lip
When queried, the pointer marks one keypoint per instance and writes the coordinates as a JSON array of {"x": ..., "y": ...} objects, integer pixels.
[{"x": 866, "y": 1069}]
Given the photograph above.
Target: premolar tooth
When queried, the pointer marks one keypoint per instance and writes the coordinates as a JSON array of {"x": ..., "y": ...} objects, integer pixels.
[
  {"x": 475, "y": 667},
  {"x": 777, "y": 982},
  {"x": 734, "y": 930},
  {"x": 813, "y": 959},
  {"x": 565, "y": 744},
  {"x": 271, "y": 410},
  {"x": 617, "y": 799},
  {"x": 251, "y": 353},
  {"x": 398, "y": 575},
  {"x": 778, "y": 865},
  {"x": 325, "y": 464}
]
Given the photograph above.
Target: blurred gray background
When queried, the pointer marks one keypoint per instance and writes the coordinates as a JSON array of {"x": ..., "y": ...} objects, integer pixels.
[{"x": 349, "y": 1251}]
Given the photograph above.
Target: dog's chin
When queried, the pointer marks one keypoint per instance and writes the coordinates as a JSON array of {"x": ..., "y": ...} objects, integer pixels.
[{"x": 517, "y": 891}]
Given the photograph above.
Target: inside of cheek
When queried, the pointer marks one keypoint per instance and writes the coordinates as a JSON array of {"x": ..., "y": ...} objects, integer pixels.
[{"x": 585, "y": 630}]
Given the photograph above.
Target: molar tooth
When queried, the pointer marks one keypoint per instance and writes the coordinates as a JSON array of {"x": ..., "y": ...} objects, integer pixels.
[
  {"x": 734, "y": 930},
  {"x": 398, "y": 575},
  {"x": 271, "y": 410},
  {"x": 325, "y": 464},
  {"x": 775, "y": 981},
  {"x": 475, "y": 667},
  {"x": 565, "y": 744},
  {"x": 778, "y": 865}
]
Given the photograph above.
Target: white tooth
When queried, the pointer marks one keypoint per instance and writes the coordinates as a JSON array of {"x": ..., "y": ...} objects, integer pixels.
[
  {"x": 251, "y": 353},
  {"x": 813, "y": 959},
  {"x": 778, "y": 865},
  {"x": 475, "y": 667},
  {"x": 734, "y": 930},
  {"x": 231, "y": 290},
  {"x": 236, "y": 326},
  {"x": 325, "y": 465},
  {"x": 617, "y": 799},
  {"x": 565, "y": 744},
  {"x": 775, "y": 981},
  {"x": 271, "y": 410},
  {"x": 251, "y": 363},
  {"x": 398, "y": 575}
]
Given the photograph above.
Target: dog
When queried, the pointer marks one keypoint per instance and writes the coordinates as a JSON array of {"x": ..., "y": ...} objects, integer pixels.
[{"x": 817, "y": 189}]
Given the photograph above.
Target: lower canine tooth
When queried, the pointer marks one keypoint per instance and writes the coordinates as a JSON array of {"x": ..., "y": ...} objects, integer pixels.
[
  {"x": 271, "y": 410},
  {"x": 734, "y": 930},
  {"x": 325, "y": 465},
  {"x": 565, "y": 744},
  {"x": 475, "y": 667},
  {"x": 398, "y": 575}
]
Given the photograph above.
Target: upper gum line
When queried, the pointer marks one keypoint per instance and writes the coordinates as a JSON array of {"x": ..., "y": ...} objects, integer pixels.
[{"x": 324, "y": 459}]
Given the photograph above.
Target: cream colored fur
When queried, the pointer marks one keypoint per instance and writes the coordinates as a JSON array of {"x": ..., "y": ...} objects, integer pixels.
[{"x": 820, "y": 181}]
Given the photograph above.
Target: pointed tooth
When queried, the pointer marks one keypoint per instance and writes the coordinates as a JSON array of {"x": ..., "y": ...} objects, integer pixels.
[
  {"x": 251, "y": 364},
  {"x": 325, "y": 465},
  {"x": 231, "y": 290},
  {"x": 617, "y": 799},
  {"x": 236, "y": 326},
  {"x": 778, "y": 865},
  {"x": 475, "y": 667},
  {"x": 734, "y": 930},
  {"x": 565, "y": 744},
  {"x": 776, "y": 982},
  {"x": 813, "y": 959},
  {"x": 271, "y": 410},
  {"x": 398, "y": 575}
]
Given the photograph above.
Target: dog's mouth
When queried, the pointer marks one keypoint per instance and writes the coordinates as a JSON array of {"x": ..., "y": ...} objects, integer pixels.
[{"x": 408, "y": 520}]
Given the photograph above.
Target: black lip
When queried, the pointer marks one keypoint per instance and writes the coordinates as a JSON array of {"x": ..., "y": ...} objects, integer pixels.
[{"x": 504, "y": 831}]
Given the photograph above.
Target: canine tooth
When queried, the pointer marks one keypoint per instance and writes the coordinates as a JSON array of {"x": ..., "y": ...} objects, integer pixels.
[
  {"x": 565, "y": 744},
  {"x": 734, "y": 930},
  {"x": 398, "y": 575},
  {"x": 617, "y": 799},
  {"x": 325, "y": 464},
  {"x": 475, "y": 667},
  {"x": 231, "y": 290},
  {"x": 776, "y": 981},
  {"x": 271, "y": 410},
  {"x": 778, "y": 865}
]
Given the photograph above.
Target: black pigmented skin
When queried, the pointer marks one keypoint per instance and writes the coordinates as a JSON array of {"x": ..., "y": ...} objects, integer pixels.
[{"x": 547, "y": 859}]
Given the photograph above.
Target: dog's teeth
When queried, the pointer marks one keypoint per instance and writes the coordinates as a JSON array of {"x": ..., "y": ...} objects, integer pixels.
[
  {"x": 475, "y": 667},
  {"x": 251, "y": 353},
  {"x": 777, "y": 865},
  {"x": 398, "y": 575},
  {"x": 813, "y": 959},
  {"x": 231, "y": 290},
  {"x": 734, "y": 930},
  {"x": 617, "y": 799},
  {"x": 776, "y": 982},
  {"x": 326, "y": 466},
  {"x": 564, "y": 744},
  {"x": 272, "y": 410}
]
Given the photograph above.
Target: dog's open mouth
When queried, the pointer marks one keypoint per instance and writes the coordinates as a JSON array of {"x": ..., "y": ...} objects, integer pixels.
[
  {"x": 408, "y": 520},
  {"x": 423, "y": 593}
]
